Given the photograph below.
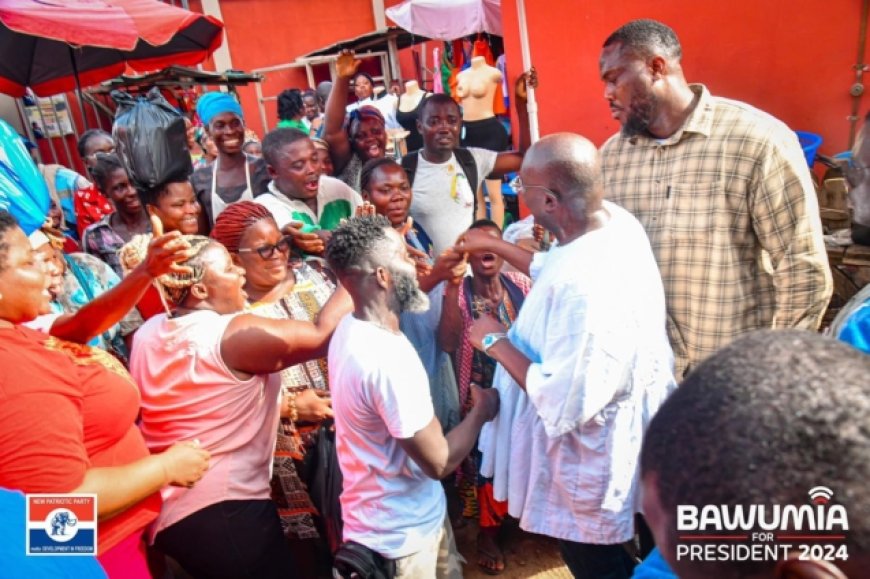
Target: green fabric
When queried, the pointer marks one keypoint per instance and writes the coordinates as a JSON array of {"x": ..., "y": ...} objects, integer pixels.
[
  {"x": 293, "y": 124},
  {"x": 333, "y": 213}
]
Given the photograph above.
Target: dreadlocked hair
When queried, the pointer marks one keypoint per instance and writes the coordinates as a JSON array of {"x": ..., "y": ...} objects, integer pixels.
[
  {"x": 235, "y": 220},
  {"x": 172, "y": 286}
]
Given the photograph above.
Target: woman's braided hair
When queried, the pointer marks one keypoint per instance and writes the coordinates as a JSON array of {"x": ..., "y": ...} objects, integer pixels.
[{"x": 173, "y": 286}]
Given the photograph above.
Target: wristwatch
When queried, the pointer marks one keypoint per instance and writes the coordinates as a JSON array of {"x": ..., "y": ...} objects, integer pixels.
[{"x": 490, "y": 340}]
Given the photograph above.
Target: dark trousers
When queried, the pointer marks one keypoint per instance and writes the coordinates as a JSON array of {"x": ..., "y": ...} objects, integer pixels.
[
  {"x": 230, "y": 539},
  {"x": 587, "y": 561}
]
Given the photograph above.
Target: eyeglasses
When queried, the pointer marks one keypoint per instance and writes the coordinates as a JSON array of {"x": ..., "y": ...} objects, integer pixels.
[
  {"x": 268, "y": 251},
  {"x": 854, "y": 173},
  {"x": 518, "y": 187}
]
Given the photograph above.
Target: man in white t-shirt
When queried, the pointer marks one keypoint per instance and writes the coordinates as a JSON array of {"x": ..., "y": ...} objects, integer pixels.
[
  {"x": 390, "y": 445},
  {"x": 443, "y": 201},
  {"x": 582, "y": 369},
  {"x": 306, "y": 205}
]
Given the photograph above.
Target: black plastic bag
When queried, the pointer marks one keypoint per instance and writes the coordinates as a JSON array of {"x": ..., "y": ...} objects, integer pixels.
[{"x": 151, "y": 139}]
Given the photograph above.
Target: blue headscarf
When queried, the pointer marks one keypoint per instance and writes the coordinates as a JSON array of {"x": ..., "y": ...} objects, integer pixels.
[{"x": 211, "y": 104}]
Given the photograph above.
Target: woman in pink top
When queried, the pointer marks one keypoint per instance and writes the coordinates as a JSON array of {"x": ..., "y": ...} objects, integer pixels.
[{"x": 208, "y": 372}]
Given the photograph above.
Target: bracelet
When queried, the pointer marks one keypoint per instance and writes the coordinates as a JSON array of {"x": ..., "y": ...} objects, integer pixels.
[{"x": 291, "y": 406}]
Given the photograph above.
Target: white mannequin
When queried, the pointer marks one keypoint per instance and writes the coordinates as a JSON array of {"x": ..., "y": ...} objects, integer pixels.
[{"x": 412, "y": 96}]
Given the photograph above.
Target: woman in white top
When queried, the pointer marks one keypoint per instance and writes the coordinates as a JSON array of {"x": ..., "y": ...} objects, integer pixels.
[{"x": 208, "y": 372}]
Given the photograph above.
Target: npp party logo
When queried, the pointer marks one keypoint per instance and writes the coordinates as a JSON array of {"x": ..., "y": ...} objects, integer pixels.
[{"x": 61, "y": 525}]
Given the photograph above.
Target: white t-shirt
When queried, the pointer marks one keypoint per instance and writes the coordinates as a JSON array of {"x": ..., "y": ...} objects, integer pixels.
[
  {"x": 380, "y": 393},
  {"x": 335, "y": 201},
  {"x": 443, "y": 201},
  {"x": 386, "y": 104}
]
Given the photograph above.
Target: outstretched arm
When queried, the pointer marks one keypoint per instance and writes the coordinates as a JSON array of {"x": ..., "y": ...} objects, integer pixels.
[
  {"x": 110, "y": 307},
  {"x": 437, "y": 455},
  {"x": 256, "y": 345},
  {"x": 333, "y": 125},
  {"x": 477, "y": 241},
  {"x": 120, "y": 487}
]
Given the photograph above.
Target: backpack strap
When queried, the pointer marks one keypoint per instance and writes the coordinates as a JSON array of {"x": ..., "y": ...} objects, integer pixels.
[
  {"x": 469, "y": 166},
  {"x": 409, "y": 164}
]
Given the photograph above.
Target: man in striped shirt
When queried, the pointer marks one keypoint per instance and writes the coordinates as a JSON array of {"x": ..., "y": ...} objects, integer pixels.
[{"x": 723, "y": 192}]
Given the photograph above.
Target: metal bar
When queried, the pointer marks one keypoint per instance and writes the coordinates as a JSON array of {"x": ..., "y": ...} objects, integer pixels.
[{"x": 258, "y": 87}]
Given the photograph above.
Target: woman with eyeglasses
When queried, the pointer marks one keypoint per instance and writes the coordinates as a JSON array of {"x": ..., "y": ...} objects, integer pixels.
[
  {"x": 233, "y": 176},
  {"x": 210, "y": 372},
  {"x": 275, "y": 290}
]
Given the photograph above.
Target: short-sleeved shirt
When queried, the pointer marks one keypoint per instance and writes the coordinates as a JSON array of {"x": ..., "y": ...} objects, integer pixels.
[
  {"x": 380, "y": 394},
  {"x": 65, "y": 408},
  {"x": 335, "y": 201},
  {"x": 444, "y": 199},
  {"x": 189, "y": 393}
]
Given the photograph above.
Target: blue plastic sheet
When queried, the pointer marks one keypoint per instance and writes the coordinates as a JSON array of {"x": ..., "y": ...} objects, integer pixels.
[{"x": 23, "y": 191}]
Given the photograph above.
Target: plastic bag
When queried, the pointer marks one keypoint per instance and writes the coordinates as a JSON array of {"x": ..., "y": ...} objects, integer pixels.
[
  {"x": 151, "y": 139},
  {"x": 23, "y": 191}
]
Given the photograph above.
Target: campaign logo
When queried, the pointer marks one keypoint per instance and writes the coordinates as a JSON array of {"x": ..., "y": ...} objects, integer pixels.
[
  {"x": 764, "y": 532},
  {"x": 61, "y": 525}
]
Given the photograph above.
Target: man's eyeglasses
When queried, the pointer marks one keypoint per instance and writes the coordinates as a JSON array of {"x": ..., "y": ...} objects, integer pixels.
[
  {"x": 517, "y": 186},
  {"x": 268, "y": 251},
  {"x": 854, "y": 173}
]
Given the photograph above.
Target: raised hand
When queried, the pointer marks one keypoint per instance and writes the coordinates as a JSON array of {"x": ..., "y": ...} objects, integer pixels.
[
  {"x": 365, "y": 210},
  {"x": 165, "y": 252},
  {"x": 346, "y": 64}
]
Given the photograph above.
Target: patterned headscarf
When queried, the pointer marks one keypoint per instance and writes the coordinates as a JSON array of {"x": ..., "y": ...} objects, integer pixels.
[{"x": 361, "y": 114}]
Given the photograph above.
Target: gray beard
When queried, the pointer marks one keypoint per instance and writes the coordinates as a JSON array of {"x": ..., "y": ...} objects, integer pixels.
[{"x": 409, "y": 297}]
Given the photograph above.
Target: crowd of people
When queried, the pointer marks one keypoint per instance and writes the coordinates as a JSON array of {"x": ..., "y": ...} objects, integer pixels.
[{"x": 310, "y": 359}]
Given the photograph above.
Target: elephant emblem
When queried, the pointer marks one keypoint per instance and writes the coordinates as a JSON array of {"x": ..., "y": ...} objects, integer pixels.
[{"x": 60, "y": 521}]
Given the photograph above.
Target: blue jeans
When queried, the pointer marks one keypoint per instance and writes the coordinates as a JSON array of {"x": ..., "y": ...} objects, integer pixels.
[{"x": 587, "y": 561}]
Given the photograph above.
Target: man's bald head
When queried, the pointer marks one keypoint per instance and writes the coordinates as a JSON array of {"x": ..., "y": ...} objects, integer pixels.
[{"x": 568, "y": 164}]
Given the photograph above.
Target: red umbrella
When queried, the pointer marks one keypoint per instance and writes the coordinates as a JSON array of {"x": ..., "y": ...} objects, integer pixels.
[{"x": 54, "y": 46}]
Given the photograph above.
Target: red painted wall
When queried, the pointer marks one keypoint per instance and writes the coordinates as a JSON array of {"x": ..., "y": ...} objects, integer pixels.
[
  {"x": 263, "y": 33},
  {"x": 791, "y": 58}
]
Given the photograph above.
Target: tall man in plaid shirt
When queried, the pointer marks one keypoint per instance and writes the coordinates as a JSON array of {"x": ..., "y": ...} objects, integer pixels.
[{"x": 723, "y": 191}]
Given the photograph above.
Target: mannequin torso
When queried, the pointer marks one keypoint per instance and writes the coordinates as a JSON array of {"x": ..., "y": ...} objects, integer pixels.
[
  {"x": 476, "y": 87},
  {"x": 412, "y": 97}
]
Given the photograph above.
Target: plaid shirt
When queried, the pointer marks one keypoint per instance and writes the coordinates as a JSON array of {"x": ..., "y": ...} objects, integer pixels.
[{"x": 732, "y": 216}]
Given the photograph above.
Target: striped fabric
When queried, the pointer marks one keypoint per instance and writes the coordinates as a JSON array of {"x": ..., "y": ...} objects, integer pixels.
[{"x": 731, "y": 213}]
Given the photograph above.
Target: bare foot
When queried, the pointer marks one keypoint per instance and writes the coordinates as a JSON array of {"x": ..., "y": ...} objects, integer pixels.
[{"x": 490, "y": 557}]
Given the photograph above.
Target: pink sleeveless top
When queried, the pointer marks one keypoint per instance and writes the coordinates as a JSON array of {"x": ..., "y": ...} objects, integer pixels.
[{"x": 189, "y": 393}]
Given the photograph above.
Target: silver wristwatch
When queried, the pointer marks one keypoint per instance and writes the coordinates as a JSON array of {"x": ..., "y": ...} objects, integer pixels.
[{"x": 490, "y": 340}]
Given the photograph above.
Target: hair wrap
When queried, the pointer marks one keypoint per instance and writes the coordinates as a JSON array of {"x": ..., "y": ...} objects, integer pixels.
[{"x": 211, "y": 104}]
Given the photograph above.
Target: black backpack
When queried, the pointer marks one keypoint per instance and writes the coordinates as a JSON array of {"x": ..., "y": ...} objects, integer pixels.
[{"x": 463, "y": 157}]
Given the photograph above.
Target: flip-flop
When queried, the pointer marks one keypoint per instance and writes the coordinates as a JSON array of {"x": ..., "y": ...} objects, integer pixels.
[{"x": 498, "y": 559}]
